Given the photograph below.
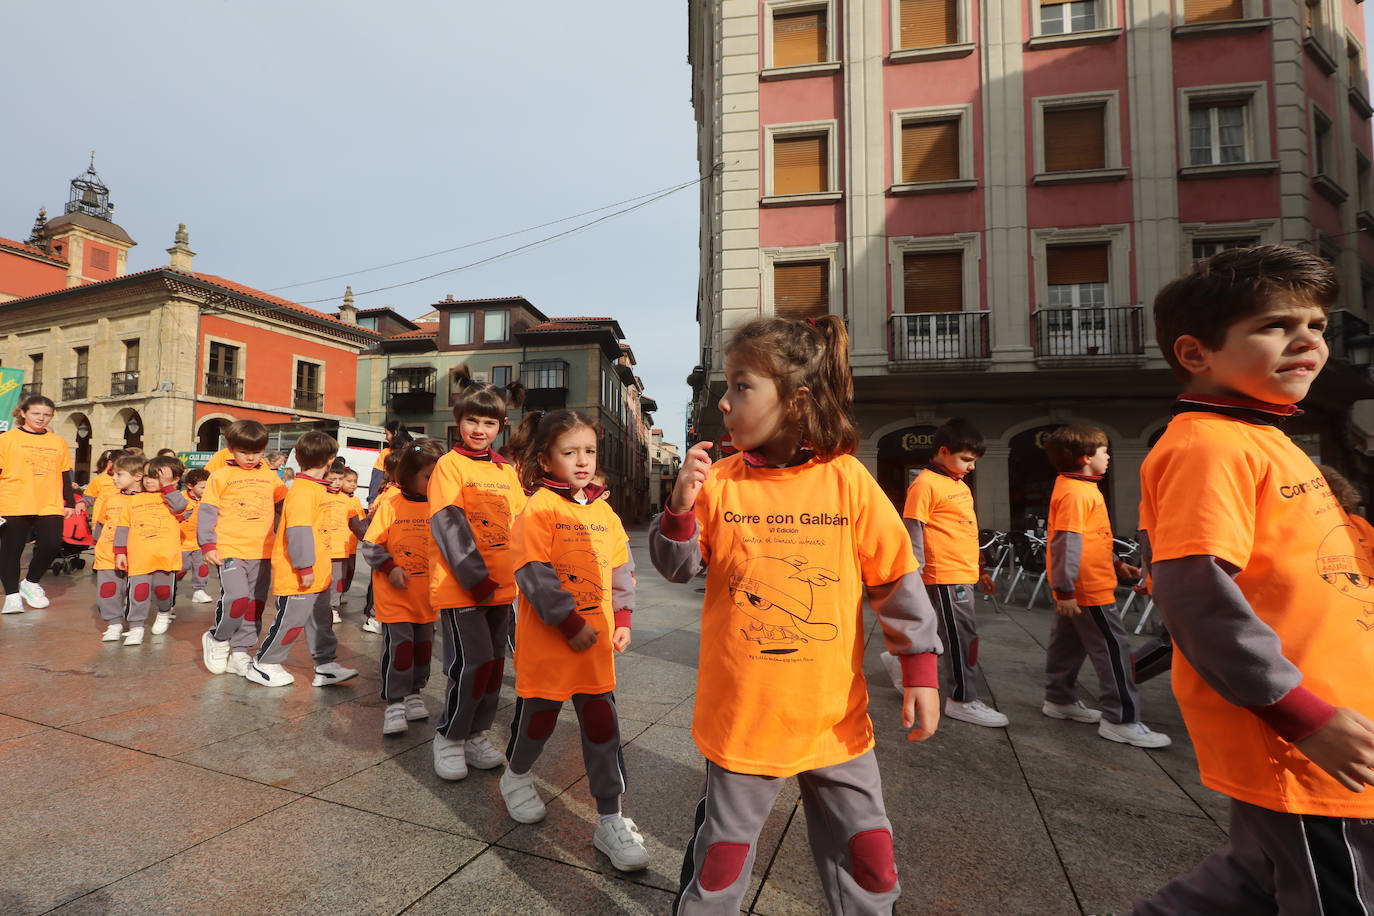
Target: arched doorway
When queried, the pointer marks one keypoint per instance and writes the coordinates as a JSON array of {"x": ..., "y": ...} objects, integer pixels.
[
  {"x": 128, "y": 426},
  {"x": 1030, "y": 478},
  {"x": 901, "y": 455},
  {"x": 210, "y": 434},
  {"x": 80, "y": 433}
]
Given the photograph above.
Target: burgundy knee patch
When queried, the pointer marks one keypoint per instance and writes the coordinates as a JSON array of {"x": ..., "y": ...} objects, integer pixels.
[
  {"x": 163, "y": 592},
  {"x": 724, "y": 862},
  {"x": 240, "y": 608},
  {"x": 871, "y": 861},
  {"x": 202, "y": 570},
  {"x": 422, "y": 652},
  {"x": 542, "y": 723},
  {"x": 404, "y": 656},
  {"x": 292, "y": 635},
  {"x": 180, "y": 573},
  {"x": 480, "y": 678},
  {"x": 598, "y": 721},
  {"x": 254, "y": 611},
  {"x": 494, "y": 675},
  {"x": 141, "y": 591},
  {"x": 339, "y": 587},
  {"x": 108, "y": 589},
  {"x": 973, "y": 652}
]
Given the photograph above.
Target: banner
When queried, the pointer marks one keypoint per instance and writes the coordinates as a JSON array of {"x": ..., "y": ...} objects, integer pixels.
[
  {"x": 195, "y": 459},
  {"x": 11, "y": 380}
]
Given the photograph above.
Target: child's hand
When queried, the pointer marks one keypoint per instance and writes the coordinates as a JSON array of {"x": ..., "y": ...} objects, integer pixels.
[
  {"x": 398, "y": 578},
  {"x": 690, "y": 478},
  {"x": 1067, "y": 608},
  {"x": 584, "y": 640},
  {"x": 121, "y": 562},
  {"x": 986, "y": 584},
  {"x": 166, "y": 476},
  {"x": 1130, "y": 573},
  {"x": 211, "y": 556},
  {"x": 620, "y": 639},
  {"x": 1344, "y": 747},
  {"x": 307, "y": 579},
  {"x": 920, "y": 704}
]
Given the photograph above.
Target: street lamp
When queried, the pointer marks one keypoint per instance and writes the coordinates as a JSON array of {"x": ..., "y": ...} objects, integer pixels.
[
  {"x": 83, "y": 431},
  {"x": 132, "y": 426}
]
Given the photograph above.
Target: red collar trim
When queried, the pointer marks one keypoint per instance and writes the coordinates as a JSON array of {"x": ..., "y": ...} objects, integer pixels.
[
  {"x": 591, "y": 491},
  {"x": 1088, "y": 477},
  {"x": 1244, "y": 403},
  {"x": 756, "y": 459},
  {"x": 942, "y": 470},
  {"x": 307, "y": 477},
  {"x": 485, "y": 454}
]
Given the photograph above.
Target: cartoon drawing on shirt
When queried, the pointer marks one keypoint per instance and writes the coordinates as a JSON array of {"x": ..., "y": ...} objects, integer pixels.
[
  {"x": 410, "y": 552},
  {"x": 145, "y": 521},
  {"x": 579, "y": 572},
  {"x": 247, "y": 504},
  {"x": 489, "y": 515},
  {"x": 777, "y": 595},
  {"x": 1352, "y": 576}
]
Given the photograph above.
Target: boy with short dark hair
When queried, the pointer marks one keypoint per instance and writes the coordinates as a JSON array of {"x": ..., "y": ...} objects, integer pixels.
[
  {"x": 1083, "y": 572},
  {"x": 344, "y": 513},
  {"x": 193, "y": 565},
  {"x": 111, "y": 575},
  {"x": 1256, "y": 573},
  {"x": 148, "y": 541}
]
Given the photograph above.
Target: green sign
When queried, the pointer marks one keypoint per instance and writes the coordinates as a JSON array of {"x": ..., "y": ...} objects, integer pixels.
[
  {"x": 195, "y": 459},
  {"x": 11, "y": 380}
]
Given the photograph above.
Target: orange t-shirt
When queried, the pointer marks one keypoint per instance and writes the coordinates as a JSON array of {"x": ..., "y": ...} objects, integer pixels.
[
  {"x": 490, "y": 496},
  {"x": 380, "y": 464},
  {"x": 304, "y": 507},
  {"x": 401, "y": 525},
  {"x": 780, "y": 682},
  {"x": 218, "y": 460},
  {"x": 247, "y": 503},
  {"x": 945, "y": 507},
  {"x": 1078, "y": 506},
  {"x": 583, "y": 543},
  {"x": 31, "y": 466},
  {"x": 108, "y": 512},
  {"x": 189, "y": 518},
  {"x": 154, "y": 535},
  {"x": 339, "y": 509},
  {"x": 100, "y": 485},
  {"x": 1244, "y": 493}
]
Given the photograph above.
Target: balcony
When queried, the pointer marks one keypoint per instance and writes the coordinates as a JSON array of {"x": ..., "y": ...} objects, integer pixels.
[
  {"x": 546, "y": 383},
  {"x": 30, "y": 388},
  {"x": 223, "y": 386},
  {"x": 74, "y": 388},
  {"x": 938, "y": 340},
  {"x": 125, "y": 382},
  {"x": 411, "y": 389},
  {"x": 306, "y": 399},
  {"x": 1077, "y": 337}
]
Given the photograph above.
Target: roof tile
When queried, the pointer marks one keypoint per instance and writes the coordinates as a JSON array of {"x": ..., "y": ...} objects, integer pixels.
[{"x": 30, "y": 249}]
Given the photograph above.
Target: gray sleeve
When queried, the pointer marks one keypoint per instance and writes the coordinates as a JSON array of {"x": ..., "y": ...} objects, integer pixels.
[
  {"x": 906, "y": 616},
  {"x": 89, "y": 501},
  {"x": 206, "y": 521},
  {"x": 623, "y": 586},
  {"x": 121, "y": 536},
  {"x": 540, "y": 585},
  {"x": 1066, "y": 550},
  {"x": 300, "y": 546},
  {"x": 358, "y": 526},
  {"x": 1236, "y": 653},
  {"x": 458, "y": 546},
  {"x": 96, "y": 533},
  {"x": 917, "y": 530},
  {"x": 176, "y": 501},
  {"x": 376, "y": 555},
  {"x": 676, "y": 561}
]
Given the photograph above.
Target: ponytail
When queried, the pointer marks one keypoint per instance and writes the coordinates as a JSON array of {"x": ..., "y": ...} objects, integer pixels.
[{"x": 480, "y": 399}]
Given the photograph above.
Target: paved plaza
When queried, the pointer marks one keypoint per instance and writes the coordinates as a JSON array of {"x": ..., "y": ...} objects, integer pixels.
[{"x": 136, "y": 783}]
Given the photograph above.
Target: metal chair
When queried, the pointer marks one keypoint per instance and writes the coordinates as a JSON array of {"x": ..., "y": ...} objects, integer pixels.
[{"x": 1030, "y": 558}]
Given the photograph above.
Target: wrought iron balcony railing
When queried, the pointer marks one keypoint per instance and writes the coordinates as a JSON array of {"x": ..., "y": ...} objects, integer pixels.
[
  {"x": 1088, "y": 332},
  {"x": 74, "y": 388},
  {"x": 306, "y": 399},
  {"x": 223, "y": 386},
  {"x": 934, "y": 336},
  {"x": 125, "y": 382}
]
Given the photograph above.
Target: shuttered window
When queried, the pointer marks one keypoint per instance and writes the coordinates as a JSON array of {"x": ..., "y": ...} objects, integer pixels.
[
  {"x": 800, "y": 164},
  {"x": 1071, "y": 264},
  {"x": 928, "y": 23},
  {"x": 801, "y": 289},
  {"x": 930, "y": 151},
  {"x": 933, "y": 282},
  {"x": 1213, "y": 10},
  {"x": 1075, "y": 139},
  {"x": 799, "y": 38}
]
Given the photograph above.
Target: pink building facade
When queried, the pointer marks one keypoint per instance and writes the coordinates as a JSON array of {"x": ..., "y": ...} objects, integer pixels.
[{"x": 991, "y": 194}]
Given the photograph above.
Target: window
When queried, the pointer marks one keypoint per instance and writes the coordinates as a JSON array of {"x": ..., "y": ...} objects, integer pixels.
[
  {"x": 36, "y": 371},
  {"x": 801, "y": 289},
  {"x": 307, "y": 376},
  {"x": 927, "y": 23},
  {"x": 1075, "y": 138},
  {"x": 1217, "y": 134},
  {"x": 494, "y": 326},
  {"x": 1058, "y": 17},
  {"x": 459, "y": 329},
  {"x": 1076, "y": 322},
  {"x": 1205, "y": 248},
  {"x": 83, "y": 361},
  {"x": 224, "y": 360},
  {"x": 1321, "y": 144},
  {"x": 1224, "y": 129},
  {"x": 131, "y": 355},
  {"x": 930, "y": 150},
  {"x": 500, "y": 376},
  {"x": 100, "y": 259},
  {"x": 1362, "y": 184},
  {"x": 933, "y": 281},
  {"x": 1354, "y": 63},
  {"x": 544, "y": 373},
  {"x": 801, "y": 164},
  {"x": 1212, "y": 10},
  {"x": 799, "y": 37}
]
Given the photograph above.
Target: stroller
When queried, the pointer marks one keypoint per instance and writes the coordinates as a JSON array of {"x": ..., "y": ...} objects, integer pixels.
[{"x": 76, "y": 539}]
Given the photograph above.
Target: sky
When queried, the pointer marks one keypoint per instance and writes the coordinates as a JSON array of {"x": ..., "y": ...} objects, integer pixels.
[{"x": 302, "y": 140}]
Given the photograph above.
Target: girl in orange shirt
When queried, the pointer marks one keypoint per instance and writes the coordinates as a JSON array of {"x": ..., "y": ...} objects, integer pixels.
[
  {"x": 573, "y": 567},
  {"x": 35, "y": 495},
  {"x": 791, "y": 529}
]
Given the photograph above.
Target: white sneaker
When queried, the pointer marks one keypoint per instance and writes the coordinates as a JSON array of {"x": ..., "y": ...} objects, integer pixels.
[
  {"x": 332, "y": 673},
  {"x": 479, "y": 753},
  {"x": 394, "y": 719},
  {"x": 415, "y": 708},
  {"x": 625, "y": 848},
  {"x": 337, "y": 618},
  {"x": 370, "y": 625},
  {"x": 134, "y": 637},
  {"x": 976, "y": 712},
  {"x": 214, "y": 653},
  {"x": 269, "y": 675},
  {"x": 160, "y": 623},
  {"x": 1133, "y": 733},
  {"x": 894, "y": 668},
  {"x": 112, "y": 633},
  {"x": 238, "y": 664},
  {"x": 522, "y": 798},
  {"x": 1075, "y": 711},
  {"x": 449, "y": 760},
  {"x": 14, "y": 604},
  {"x": 199, "y": 596},
  {"x": 33, "y": 594}
]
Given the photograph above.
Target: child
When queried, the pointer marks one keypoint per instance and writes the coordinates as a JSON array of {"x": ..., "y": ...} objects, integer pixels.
[
  {"x": 790, "y": 530},
  {"x": 1259, "y": 580},
  {"x": 474, "y": 495},
  {"x": 386, "y": 489},
  {"x": 148, "y": 546},
  {"x": 111, "y": 579},
  {"x": 300, "y": 574},
  {"x": 573, "y": 567},
  {"x": 397, "y": 546},
  {"x": 944, "y": 534},
  {"x": 192, "y": 562},
  {"x": 102, "y": 482},
  {"x": 345, "y": 512},
  {"x": 1083, "y": 574},
  {"x": 234, "y": 530}
]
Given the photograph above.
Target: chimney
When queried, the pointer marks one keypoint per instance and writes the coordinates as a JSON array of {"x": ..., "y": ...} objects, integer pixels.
[
  {"x": 348, "y": 313},
  {"x": 181, "y": 253}
]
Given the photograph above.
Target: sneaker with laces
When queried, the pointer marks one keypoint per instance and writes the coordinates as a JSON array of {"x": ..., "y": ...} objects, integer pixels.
[
  {"x": 160, "y": 623},
  {"x": 976, "y": 712},
  {"x": 269, "y": 675},
  {"x": 522, "y": 798},
  {"x": 622, "y": 846},
  {"x": 415, "y": 708},
  {"x": 1136, "y": 734},
  {"x": 214, "y": 653},
  {"x": 134, "y": 637},
  {"x": 238, "y": 664},
  {"x": 479, "y": 753},
  {"x": 14, "y": 604},
  {"x": 332, "y": 673},
  {"x": 199, "y": 596},
  {"x": 394, "y": 719},
  {"x": 1075, "y": 711},
  {"x": 337, "y": 618},
  {"x": 33, "y": 594},
  {"x": 112, "y": 633},
  {"x": 370, "y": 625},
  {"x": 449, "y": 760},
  {"x": 893, "y": 666}
]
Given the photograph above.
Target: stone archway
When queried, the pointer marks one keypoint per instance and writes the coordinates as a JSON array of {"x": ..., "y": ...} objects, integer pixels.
[
  {"x": 210, "y": 433},
  {"x": 77, "y": 424},
  {"x": 901, "y": 454},
  {"x": 126, "y": 428}
]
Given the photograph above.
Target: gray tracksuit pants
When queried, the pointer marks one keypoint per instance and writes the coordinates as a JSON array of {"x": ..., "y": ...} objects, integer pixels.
[
  {"x": 341, "y": 572},
  {"x": 243, "y": 587},
  {"x": 534, "y": 722},
  {"x": 475, "y": 662},
  {"x": 1096, "y": 633},
  {"x": 846, "y": 823},
  {"x": 308, "y": 613},
  {"x": 194, "y": 570},
  {"x": 112, "y": 595},
  {"x": 959, "y": 633},
  {"x": 146, "y": 589},
  {"x": 406, "y": 650}
]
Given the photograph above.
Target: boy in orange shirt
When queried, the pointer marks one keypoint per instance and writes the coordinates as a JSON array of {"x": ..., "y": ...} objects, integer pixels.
[
  {"x": 112, "y": 582},
  {"x": 192, "y": 563},
  {"x": 1262, "y": 585},
  {"x": 1083, "y": 572},
  {"x": 347, "y": 519},
  {"x": 148, "y": 546}
]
